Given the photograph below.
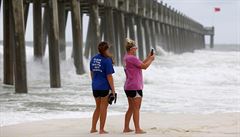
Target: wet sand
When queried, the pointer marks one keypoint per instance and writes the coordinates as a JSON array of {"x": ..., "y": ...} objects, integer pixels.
[{"x": 156, "y": 125}]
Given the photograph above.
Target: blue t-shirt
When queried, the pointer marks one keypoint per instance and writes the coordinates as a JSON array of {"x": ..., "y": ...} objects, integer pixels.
[{"x": 101, "y": 67}]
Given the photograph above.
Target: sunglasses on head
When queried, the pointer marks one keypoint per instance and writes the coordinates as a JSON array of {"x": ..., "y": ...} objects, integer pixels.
[{"x": 134, "y": 47}]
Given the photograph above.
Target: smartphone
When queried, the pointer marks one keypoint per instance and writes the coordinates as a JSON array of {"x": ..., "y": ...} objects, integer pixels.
[{"x": 152, "y": 52}]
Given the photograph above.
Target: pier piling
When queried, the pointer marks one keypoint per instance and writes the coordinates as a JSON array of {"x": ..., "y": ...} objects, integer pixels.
[
  {"x": 26, "y": 11},
  {"x": 77, "y": 37},
  {"x": 53, "y": 44},
  {"x": 147, "y": 36},
  {"x": 8, "y": 44},
  {"x": 109, "y": 32},
  {"x": 62, "y": 27},
  {"x": 37, "y": 29},
  {"x": 116, "y": 35},
  {"x": 45, "y": 31},
  {"x": 20, "y": 71},
  {"x": 140, "y": 38},
  {"x": 122, "y": 37},
  {"x": 88, "y": 43},
  {"x": 94, "y": 19}
]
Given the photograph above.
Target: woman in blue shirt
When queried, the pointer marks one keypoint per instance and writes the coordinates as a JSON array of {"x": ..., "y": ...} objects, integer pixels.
[{"x": 101, "y": 67}]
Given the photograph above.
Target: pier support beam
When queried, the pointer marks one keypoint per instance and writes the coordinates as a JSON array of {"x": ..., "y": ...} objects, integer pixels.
[
  {"x": 163, "y": 38},
  {"x": 203, "y": 41},
  {"x": 37, "y": 29},
  {"x": 175, "y": 38},
  {"x": 53, "y": 42},
  {"x": 158, "y": 34},
  {"x": 178, "y": 42},
  {"x": 200, "y": 44},
  {"x": 8, "y": 74},
  {"x": 62, "y": 27},
  {"x": 102, "y": 28},
  {"x": 153, "y": 34},
  {"x": 188, "y": 41},
  {"x": 88, "y": 43},
  {"x": 140, "y": 37},
  {"x": 45, "y": 31},
  {"x": 20, "y": 55},
  {"x": 131, "y": 27},
  {"x": 185, "y": 40},
  {"x": 163, "y": 32},
  {"x": 122, "y": 35},
  {"x": 211, "y": 41},
  {"x": 170, "y": 38},
  {"x": 147, "y": 36},
  {"x": 116, "y": 22},
  {"x": 181, "y": 45},
  {"x": 109, "y": 35},
  {"x": 77, "y": 37},
  {"x": 185, "y": 33},
  {"x": 26, "y": 9},
  {"x": 94, "y": 19}
]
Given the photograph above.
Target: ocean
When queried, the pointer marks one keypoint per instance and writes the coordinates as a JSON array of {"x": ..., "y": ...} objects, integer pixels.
[{"x": 205, "y": 81}]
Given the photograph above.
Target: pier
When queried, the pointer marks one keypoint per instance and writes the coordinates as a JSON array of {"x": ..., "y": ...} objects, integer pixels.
[{"x": 150, "y": 22}]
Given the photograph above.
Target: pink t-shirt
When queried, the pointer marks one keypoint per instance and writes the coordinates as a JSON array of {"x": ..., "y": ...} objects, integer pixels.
[{"x": 133, "y": 71}]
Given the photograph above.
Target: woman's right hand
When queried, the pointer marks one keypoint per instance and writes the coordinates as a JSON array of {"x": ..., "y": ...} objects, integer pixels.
[
  {"x": 152, "y": 57},
  {"x": 113, "y": 92}
]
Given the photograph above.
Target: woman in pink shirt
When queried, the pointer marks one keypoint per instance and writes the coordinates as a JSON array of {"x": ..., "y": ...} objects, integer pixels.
[{"x": 134, "y": 84}]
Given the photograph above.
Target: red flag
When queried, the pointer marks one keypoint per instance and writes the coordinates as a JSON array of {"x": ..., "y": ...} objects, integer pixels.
[{"x": 217, "y": 9}]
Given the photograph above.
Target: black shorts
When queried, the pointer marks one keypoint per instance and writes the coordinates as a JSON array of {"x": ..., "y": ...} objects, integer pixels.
[
  {"x": 100, "y": 93},
  {"x": 133, "y": 93}
]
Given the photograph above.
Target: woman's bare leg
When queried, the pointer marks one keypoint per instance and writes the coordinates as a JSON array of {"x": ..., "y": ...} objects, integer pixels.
[
  {"x": 103, "y": 114},
  {"x": 128, "y": 115},
  {"x": 136, "y": 114},
  {"x": 96, "y": 115}
]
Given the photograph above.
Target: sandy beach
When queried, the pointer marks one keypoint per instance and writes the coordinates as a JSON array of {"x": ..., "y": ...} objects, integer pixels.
[{"x": 159, "y": 125}]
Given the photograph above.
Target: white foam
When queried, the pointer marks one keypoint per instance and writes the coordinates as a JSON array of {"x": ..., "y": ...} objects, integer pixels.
[{"x": 205, "y": 81}]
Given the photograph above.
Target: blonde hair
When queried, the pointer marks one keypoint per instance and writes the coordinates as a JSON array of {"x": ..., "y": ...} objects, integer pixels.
[{"x": 129, "y": 44}]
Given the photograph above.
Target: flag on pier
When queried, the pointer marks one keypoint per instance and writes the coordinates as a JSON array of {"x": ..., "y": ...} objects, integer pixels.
[{"x": 217, "y": 9}]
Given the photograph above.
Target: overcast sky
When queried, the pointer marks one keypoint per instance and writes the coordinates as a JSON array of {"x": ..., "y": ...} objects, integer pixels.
[{"x": 226, "y": 22}]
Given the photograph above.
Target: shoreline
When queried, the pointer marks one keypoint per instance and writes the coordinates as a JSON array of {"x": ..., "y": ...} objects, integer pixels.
[
  {"x": 81, "y": 115},
  {"x": 88, "y": 115},
  {"x": 156, "y": 124}
]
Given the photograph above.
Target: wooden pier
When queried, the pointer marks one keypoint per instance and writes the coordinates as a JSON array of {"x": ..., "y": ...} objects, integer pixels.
[{"x": 149, "y": 22}]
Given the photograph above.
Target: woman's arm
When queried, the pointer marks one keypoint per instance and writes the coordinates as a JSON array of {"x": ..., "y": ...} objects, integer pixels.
[
  {"x": 111, "y": 82},
  {"x": 148, "y": 58},
  {"x": 91, "y": 73},
  {"x": 147, "y": 62}
]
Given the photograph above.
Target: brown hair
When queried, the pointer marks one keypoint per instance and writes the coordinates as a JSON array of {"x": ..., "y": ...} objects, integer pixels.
[
  {"x": 129, "y": 44},
  {"x": 102, "y": 47}
]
